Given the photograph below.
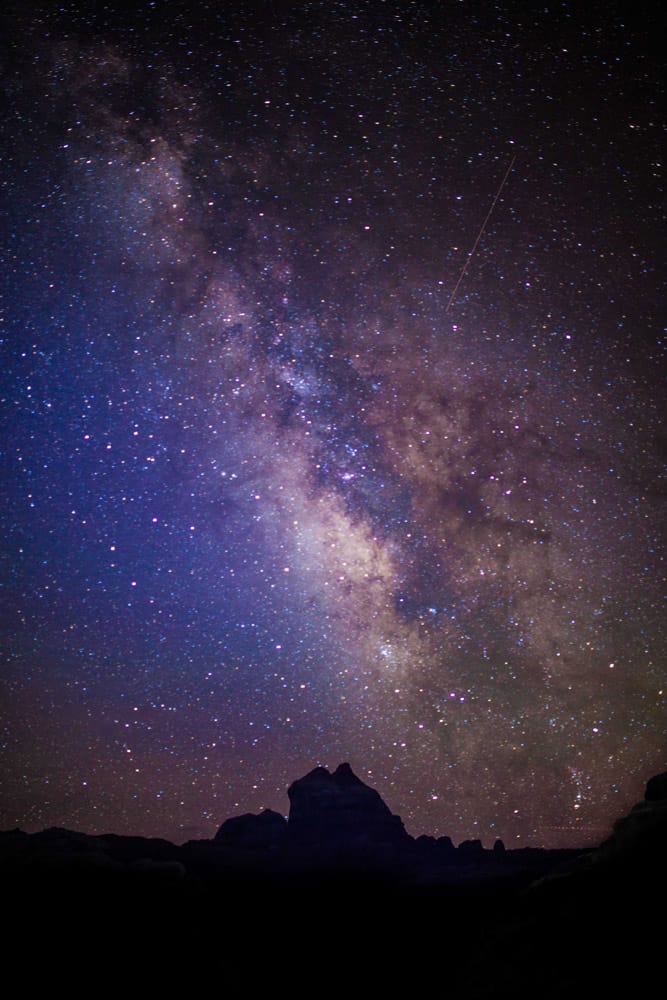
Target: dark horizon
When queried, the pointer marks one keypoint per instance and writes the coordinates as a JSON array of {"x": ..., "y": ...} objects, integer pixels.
[{"x": 331, "y": 813}]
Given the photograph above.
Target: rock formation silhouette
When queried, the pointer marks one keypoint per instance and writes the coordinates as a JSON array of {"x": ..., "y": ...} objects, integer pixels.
[
  {"x": 268, "y": 891},
  {"x": 262, "y": 831},
  {"x": 339, "y": 810}
]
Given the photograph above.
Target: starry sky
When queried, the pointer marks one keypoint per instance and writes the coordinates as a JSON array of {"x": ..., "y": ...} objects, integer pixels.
[{"x": 332, "y": 397}]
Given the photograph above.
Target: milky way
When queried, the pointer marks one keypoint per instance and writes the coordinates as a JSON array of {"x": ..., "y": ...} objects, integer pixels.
[{"x": 274, "y": 495}]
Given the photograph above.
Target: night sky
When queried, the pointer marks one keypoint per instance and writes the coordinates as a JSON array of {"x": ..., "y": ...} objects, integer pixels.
[{"x": 333, "y": 401}]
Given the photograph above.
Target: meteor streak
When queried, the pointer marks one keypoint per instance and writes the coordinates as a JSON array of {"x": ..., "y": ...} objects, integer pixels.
[{"x": 479, "y": 235}]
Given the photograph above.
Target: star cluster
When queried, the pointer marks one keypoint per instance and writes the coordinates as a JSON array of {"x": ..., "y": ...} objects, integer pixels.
[{"x": 331, "y": 386}]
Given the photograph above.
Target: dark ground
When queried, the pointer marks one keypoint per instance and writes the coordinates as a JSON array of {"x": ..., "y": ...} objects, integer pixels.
[{"x": 143, "y": 914}]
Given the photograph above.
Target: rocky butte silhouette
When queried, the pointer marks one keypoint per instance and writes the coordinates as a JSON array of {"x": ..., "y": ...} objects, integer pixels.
[
  {"x": 269, "y": 893},
  {"x": 340, "y": 809},
  {"x": 334, "y": 820}
]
